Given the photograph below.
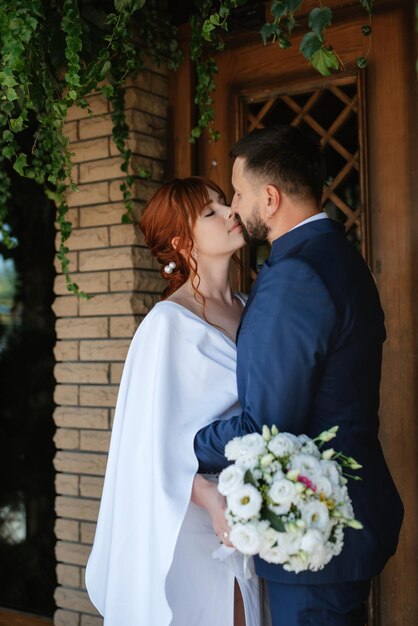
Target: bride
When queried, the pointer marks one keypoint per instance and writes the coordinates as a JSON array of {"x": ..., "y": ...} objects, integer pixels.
[{"x": 159, "y": 525}]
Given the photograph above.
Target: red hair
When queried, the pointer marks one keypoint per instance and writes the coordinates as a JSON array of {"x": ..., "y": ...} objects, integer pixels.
[{"x": 172, "y": 213}]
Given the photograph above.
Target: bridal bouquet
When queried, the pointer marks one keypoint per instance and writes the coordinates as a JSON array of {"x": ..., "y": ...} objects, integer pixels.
[{"x": 287, "y": 500}]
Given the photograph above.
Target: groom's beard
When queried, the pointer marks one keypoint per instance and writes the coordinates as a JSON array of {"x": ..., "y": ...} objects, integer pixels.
[{"x": 255, "y": 231}]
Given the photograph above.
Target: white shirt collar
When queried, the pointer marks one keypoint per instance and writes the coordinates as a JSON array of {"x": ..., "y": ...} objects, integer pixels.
[{"x": 313, "y": 218}]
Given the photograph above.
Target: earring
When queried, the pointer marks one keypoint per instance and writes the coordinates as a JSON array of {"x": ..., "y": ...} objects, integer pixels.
[{"x": 170, "y": 267}]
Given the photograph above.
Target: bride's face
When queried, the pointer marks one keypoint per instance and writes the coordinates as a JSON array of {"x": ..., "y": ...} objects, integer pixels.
[{"x": 217, "y": 231}]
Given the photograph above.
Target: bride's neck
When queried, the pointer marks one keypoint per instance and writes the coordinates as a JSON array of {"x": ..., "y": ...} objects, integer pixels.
[{"x": 212, "y": 282}]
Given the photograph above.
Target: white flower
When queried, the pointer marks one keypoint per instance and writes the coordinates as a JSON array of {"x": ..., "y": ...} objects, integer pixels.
[
  {"x": 282, "y": 445},
  {"x": 312, "y": 541},
  {"x": 233, "y": 449},
  {"x": 230, "y": 479},
  {"x": 306, "y": 464},
  {"x": 329, "y": 434},
  {"x": 338, "y": 540},
  {"x": 247, "y": 461},
  {"x": 245, "y": 502},
  {"x": 323, "y": 485},
  {"x": 295, "y": 564},
  {"x": 252, "y": 444},
  {"x": 266, "y": 460},
  {"x": 290, "y": 542},
  {"x": 273, "y": 555},
  {"x": 330, "y": 470},
  {"x": 320, "y": 557},
  {"x": 268, "y": 537},
  {"x": 315, "y": 515},
  {"x": 245, "y": 538},
  {"x": 309, "y": 447},
  {"x": 278, "y": 473},
  {"x": 328, "y": 454},
  {"x": 282, "y": 493}
]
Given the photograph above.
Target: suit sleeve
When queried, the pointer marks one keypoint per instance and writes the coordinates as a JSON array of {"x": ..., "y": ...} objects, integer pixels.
[{"x": 283, "y": 342}]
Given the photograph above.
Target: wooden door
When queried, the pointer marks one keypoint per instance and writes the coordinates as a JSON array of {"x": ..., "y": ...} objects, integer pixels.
[
  {"x": 367, "y": 125},
  {"x": 14, "y": 618}
]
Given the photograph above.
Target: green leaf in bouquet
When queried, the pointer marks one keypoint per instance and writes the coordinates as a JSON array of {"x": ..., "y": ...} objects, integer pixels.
[
  {"x": 275, "y": 521},
  {"x": 249, "y": 478}
]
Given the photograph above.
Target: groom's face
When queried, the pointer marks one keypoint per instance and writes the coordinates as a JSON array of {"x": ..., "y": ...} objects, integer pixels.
[{"x": 247, "y": 202}]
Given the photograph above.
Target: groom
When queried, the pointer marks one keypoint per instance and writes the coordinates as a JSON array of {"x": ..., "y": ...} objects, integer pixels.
[{"x": 309, "y": 357}]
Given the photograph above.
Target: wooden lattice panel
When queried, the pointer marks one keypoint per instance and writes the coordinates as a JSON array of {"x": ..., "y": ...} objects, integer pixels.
[{"x": 333, "y": 112}]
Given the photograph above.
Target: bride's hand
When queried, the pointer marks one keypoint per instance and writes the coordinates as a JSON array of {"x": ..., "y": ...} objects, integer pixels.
[{"x": 205, "y": 494}]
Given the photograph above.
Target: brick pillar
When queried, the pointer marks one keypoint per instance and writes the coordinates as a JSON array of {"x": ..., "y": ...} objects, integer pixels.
[{"x": 110, "y": 261}]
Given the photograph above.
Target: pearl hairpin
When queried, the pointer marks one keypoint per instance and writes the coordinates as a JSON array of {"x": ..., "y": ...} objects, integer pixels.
[{"x": 170, "y": 267}]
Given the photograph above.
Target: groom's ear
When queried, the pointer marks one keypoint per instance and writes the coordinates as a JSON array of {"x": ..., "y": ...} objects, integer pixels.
[{"x": 273, "y": 199}]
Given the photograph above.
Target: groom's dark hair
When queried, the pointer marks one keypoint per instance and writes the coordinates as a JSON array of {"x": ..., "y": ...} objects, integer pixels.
[{"x": 284, "y": 156}]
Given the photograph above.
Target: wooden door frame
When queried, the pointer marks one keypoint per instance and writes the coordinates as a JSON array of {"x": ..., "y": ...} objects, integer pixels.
[
  {"x": 9, "y": 617},
  {"x": 393, "y": 188}
]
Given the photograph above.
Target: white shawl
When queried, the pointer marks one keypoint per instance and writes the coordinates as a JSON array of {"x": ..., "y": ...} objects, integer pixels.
[{"x": 179, "y": 375}]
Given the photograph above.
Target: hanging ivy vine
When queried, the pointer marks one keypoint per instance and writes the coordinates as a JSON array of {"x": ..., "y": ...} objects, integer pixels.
[{"x": 54, "y": 53}]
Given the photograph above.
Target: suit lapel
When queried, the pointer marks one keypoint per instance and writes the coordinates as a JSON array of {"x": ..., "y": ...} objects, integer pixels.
[{"x": 287, "y": 242}]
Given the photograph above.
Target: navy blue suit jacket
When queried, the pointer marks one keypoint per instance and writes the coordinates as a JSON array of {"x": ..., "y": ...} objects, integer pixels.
[{"x": 309, "y": 357}]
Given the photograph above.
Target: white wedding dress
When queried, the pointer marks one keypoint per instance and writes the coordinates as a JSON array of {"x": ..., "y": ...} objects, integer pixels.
[{"x": 151, "y": 562}]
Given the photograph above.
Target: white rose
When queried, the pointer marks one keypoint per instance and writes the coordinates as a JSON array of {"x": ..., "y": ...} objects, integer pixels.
[
  {"x": 245, "y": 502},
  {"x": 306, "y": 464},
  {"x": 323, "y": 485},
  {"x": 319, "y": 558},
  {"x": 247, "y": 461},
  {"x": 290, "y": 542},
  {"x": 245, "y": 538},
  {"x": 310, "y": 447},
  {"x": 233, "y": 449},
  {"x": 282, "y": 493},
  {"x": 252, "y": 444},
  {"x": 330, "y": 470},
  {"x": 295, "y": 564},
  {"x": 230, "y": 479},
  {"x": 315, "y": 515},
  {"x": 346, "y": 509},
  {"x": 312, "y": 540},
  {"x": 282, "y": 445},
  {"x": 273, "y": 555},
  {"x": 268, "y": 537}
]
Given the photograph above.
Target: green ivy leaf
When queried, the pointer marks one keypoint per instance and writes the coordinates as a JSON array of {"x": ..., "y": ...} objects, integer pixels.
[
  {"x": 223, "y": 11},
  {"x": 278, "y": 8},
  {"x": 6, "y": 80},
  {"x": 8, "y": 152},
  {"x": 11, "y": 94},
  {"x": 7, "y": 136},
  {"x": 293, "y": 5},
  {"x": 310, "y": 44},
  {"x": 366, "y": 30},
  {"x": 267, "y": 31},
  {"x": 214, "y": 19},
  {"x": 129, "y": 5},
  {"x": 284, "y": 42},
  {"x": 17, "y": 124},
  {"x": 320, "y": 19},
  {"x": 323, "y": 60},
  {"x": 367, "y": 4},
  {"x": 361, "y": 62},
  {"x": 20, "y": 163}
]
